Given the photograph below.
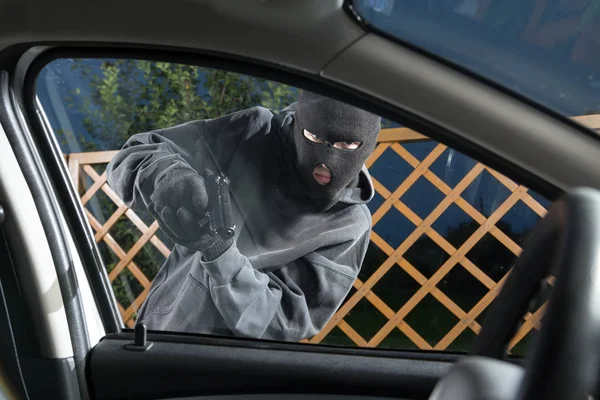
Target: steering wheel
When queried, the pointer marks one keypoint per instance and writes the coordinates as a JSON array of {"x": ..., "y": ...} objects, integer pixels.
[{"x": 563, "y": 362}]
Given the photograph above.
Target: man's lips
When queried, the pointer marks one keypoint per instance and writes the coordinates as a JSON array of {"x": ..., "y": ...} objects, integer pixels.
[{"x": 322, "y": 174}]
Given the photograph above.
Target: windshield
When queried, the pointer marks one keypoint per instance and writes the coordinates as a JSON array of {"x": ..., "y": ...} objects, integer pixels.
[{"x": 546, "y": 50}]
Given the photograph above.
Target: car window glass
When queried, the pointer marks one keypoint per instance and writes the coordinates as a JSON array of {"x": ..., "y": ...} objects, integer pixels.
[
  {"x": 406, "y": 254},
  {"x": 546, "y": 50}
]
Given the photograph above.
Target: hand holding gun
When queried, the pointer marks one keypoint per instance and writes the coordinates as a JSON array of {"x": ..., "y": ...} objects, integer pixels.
[{"x": 219, "y": 216}]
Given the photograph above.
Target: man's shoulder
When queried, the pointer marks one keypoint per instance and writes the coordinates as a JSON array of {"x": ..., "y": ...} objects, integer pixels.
[
  {"x": 256, "y": 113},
  {"x": 357, "y": 215},
  {"x": 248, "y": 122},
  {"x": 363, "y": 214},
  {"x": 260, "y": 112},
  {"x": 234, "y": 126},
  {"x": 259, "y": 119}
]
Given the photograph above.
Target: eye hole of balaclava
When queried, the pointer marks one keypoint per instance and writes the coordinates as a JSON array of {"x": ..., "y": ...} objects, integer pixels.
[
  {"x": 321, "y": 128},
  {"x": 343, "y": 145}
]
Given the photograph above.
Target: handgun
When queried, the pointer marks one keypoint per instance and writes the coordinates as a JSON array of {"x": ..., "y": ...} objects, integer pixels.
[{"x": 219, "y": 214}]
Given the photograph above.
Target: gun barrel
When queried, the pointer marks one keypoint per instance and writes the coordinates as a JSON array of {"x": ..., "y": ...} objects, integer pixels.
[
  {"x": 220, "y": 214},
  {"x": 225, "y": 198}
]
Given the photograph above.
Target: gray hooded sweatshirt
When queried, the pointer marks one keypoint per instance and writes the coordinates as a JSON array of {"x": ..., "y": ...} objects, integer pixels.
[{"x": 290, "y": 267}]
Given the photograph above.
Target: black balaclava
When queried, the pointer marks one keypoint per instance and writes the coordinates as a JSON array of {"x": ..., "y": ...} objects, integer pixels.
[{"x": 331, "y": 121}]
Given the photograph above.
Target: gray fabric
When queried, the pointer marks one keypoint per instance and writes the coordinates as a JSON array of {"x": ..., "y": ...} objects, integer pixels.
[
  {"x": 211, "y": 247},
  {"x": 290, "y": 267},
  {"x": 331, "y": 121},
  {"x": 180, "y": 202}
]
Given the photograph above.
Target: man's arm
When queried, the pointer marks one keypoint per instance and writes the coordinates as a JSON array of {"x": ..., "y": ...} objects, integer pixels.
[
  {"x": 293, "y": 302},
  {"x": 134, "y": 171}
]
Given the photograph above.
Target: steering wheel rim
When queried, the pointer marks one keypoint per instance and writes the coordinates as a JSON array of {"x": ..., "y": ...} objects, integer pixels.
[
  {"x": 522, "y": 284},
  {"x": 564, "y": 359}
]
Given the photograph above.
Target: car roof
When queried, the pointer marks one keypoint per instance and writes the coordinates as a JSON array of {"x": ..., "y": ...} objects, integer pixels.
[{"x": 303, "y": 35}]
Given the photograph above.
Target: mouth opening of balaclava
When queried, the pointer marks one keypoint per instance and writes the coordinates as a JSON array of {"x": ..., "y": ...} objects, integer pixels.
[{"x": 327, "y": 170}]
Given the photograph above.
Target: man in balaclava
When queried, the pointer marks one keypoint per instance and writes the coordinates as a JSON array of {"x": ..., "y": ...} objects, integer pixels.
[{"x": 298, "y": 192}]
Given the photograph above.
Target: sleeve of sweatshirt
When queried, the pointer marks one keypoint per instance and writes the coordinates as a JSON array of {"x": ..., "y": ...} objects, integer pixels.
[
  {"x": 293, "y": 302},
  {"x": 196, "y": 145}
]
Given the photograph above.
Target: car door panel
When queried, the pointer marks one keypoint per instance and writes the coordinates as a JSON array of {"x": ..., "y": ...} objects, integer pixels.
[{"x": 176, "y": 368}]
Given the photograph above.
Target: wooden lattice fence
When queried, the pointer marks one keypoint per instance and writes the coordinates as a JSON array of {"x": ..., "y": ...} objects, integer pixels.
[{"x": 87, "y": 173}]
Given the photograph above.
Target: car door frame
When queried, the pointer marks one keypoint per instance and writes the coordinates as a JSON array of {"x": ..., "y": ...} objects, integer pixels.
[{"x": 387, "y": 370}]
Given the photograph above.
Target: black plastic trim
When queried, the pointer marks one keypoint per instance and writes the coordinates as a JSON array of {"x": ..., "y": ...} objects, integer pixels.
[
  {"x": 15, "y": 132},
  {"x": 51, "y": 378},
  {"x": 171, "y": 369},
  {"x": 226, "y": 341},
  {"x": 11, "y": 337}
]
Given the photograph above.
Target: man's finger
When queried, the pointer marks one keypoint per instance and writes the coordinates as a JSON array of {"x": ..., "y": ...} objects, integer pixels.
[
  {"x": 170, "y": 224},
  {"x": 189, "y": 223},
  {"x": 199, "y": 195}
]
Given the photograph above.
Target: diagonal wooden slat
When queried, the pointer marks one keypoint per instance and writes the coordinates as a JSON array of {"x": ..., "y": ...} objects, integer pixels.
[
  {"x": 133, "y": 251},
  {"x": 435, "y": 292},
  {"x": 400, "y": 135},
  {"x": 120, "y": 253},
  {"x": 74, "y": 168},
  {"x": 388, "y": 312},
  {"x": 135, "y": 306},
  {"x": 352, "y": 334},
  {"x": 94, "y": 157},
  {"x": 408, "y": 181},
  {"x": 534, "y": 205},
  {"x": 512, "y": 186},
  {"x": 412, "y": 335},
  {"x": 110, "y": 222},
  {"x": 379, "y": 150},
  {"x": 108, "y": 239},
  {"x": 528, "y": 325},
  {"x": 137, "y": 221},
  {"x": 95, "y": 186},
  {"x": 471, "y": 315}
]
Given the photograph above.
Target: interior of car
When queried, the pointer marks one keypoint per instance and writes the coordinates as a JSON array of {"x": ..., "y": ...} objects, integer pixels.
[{"x": 479, "y": 273}]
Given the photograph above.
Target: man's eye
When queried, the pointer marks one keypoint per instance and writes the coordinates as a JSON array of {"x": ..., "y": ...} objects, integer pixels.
[
  {"x": 347, "y": 145},
  {"x": 312, "y": 137}
]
